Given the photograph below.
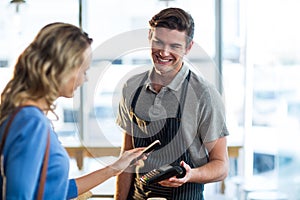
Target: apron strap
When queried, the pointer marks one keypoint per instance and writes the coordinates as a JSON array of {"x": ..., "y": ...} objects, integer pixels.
[
  {"x": 183, "y": 95},
  {"x": 137, "y": 93}
]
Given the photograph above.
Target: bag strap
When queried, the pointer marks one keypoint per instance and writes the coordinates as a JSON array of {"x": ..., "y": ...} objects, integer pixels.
[
  {"x": 45, "y": 160},
  {"x": 44, "y": 170},
  {"x": 7, "y": 127}
]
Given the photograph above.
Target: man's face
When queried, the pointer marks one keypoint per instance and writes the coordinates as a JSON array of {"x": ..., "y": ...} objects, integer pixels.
[{"x": 167, "y": 49}]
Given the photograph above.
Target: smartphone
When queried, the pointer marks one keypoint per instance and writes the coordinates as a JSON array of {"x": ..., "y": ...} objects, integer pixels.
[
  {"x": 162, "y": 173},
  {"x": 154, "y": 145}
]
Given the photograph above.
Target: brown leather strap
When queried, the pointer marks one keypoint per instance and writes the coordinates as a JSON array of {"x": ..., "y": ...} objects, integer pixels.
[
  {"x": 1, "y": 148},
  {"x": 7, "y": 128},
  {"x": 46, "y": 155},
  {"x": 44, "y": 170}
]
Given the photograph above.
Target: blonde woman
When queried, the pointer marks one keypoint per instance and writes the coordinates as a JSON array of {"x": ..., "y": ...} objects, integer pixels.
[{"x": 52, "y": 66}]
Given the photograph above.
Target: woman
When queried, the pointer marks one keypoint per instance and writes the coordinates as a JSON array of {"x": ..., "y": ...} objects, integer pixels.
[{"x": 52, "y": 66}]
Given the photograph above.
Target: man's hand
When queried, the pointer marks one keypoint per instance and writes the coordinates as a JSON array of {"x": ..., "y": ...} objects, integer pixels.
[{"x": 177, "y": 182}]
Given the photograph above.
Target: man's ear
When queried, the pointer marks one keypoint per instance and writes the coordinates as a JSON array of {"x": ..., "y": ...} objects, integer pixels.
[
  {"x": 150, "y": 34},
  {"x": 189, "y": 47}
]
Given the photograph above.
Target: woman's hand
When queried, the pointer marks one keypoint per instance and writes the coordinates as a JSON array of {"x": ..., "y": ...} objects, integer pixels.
[{"x": 125, "y": 159}]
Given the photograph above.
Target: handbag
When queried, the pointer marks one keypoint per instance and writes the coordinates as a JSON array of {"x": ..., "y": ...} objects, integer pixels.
[{"x": 44, "y": 164}]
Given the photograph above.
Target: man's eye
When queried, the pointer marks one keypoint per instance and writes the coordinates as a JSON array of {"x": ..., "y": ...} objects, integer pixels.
[
  {"x": 157, "y": 42},
  {"x": 175, "y": 46}
]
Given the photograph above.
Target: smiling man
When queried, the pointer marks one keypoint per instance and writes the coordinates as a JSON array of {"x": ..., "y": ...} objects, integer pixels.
[{"x": 172, "y": 104}]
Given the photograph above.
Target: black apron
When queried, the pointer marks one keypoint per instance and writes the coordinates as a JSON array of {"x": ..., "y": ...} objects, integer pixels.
[{"x": 173, "y": 149}]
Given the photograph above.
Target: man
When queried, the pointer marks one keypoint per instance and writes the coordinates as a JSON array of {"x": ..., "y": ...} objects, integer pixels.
[{"x": 181, "y": 109}]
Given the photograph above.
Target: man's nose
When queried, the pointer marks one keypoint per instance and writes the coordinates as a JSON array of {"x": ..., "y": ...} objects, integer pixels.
[{"x": 165, "y": 51}]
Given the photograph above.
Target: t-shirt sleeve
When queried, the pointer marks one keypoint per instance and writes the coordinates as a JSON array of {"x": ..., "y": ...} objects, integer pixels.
[
  {"x": 72, "y": 190},
  {"x": 123, "y": 115},
  {"x": 213, "y": 122}
]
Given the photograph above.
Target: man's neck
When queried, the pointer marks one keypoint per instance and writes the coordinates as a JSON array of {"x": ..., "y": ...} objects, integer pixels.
[{"x": 159, "y": 80}]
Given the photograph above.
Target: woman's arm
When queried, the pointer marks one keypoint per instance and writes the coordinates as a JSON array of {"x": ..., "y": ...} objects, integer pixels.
[{"x": 89, "y": 181}]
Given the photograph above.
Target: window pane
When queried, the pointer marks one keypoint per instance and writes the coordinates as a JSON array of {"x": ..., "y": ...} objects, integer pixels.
[
  {"x": 275, "y": 89},
  {"x": 269, "y": 56},
  {"x": 121, "y": 47},
  {"x": 21, "y": 28}
]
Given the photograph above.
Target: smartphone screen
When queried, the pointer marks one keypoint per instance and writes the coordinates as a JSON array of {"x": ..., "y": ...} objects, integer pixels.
[{"x": 147, "y": 151}]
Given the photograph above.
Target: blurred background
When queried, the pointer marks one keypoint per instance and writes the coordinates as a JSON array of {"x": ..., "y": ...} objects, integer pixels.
[{"x": 250, "y": 50}]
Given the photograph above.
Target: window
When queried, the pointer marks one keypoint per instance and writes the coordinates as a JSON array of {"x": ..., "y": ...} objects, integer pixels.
[
  {"x": 19, "y": 30},
  {"x": 127, "y": 44},
  {"x": 260, "y": 69}
]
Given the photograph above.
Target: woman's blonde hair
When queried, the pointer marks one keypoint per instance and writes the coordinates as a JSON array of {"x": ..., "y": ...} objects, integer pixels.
[{"x": 57, "y": 50}]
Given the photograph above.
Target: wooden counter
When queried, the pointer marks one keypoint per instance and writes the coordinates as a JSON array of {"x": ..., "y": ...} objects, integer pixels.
[{"x": 80, "y": 152}]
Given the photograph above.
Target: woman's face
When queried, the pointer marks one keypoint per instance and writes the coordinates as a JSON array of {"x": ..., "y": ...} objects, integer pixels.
[{"x": 77, "y": 77}]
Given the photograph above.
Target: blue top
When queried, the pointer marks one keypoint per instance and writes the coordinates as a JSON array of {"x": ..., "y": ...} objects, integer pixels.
[{"x": 23, "y": 153}]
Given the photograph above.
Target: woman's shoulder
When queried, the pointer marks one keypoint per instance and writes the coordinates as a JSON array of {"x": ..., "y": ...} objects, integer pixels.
[
  {"x": 30, "y": 112},
  {"x": 30, "y": 116},
  {"x": 27, "y": 126}
]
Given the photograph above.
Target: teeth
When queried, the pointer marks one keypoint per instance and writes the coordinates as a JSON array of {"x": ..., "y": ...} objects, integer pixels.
[{"x": 163, "y": 60}]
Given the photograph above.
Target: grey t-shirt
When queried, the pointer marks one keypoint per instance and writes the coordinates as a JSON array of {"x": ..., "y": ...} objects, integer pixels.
[{"x": 203, "y": 115}]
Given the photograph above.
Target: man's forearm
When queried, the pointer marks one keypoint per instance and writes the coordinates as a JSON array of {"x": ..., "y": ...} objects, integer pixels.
[
  {"x": 211, "y": 172},
  {"x": 123, "y": 183},
  {"x": 218, "y": 166}
]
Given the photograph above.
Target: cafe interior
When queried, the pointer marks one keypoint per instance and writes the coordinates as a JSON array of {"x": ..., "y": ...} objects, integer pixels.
[{"x": 249, "y": 49}]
